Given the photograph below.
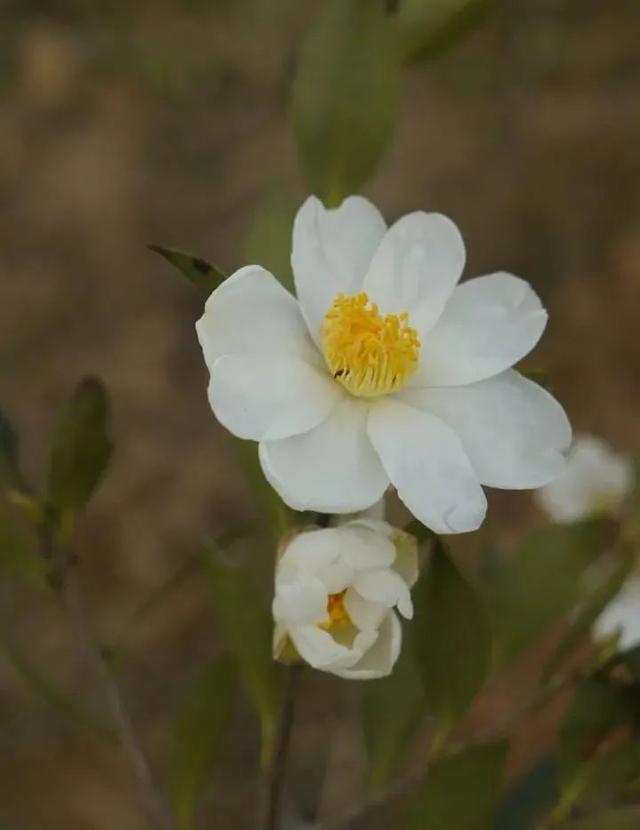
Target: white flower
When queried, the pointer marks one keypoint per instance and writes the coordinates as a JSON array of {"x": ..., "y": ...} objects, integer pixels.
[
  {"x": 384, "y": 370},
  {"x": 622, "y": 616},
  {"x": 335, "y": 591},
  {"x": 595, "y": 479}
]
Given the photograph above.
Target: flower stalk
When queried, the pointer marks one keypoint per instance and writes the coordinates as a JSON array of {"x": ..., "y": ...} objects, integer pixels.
[{"x": 277, "y": 775}]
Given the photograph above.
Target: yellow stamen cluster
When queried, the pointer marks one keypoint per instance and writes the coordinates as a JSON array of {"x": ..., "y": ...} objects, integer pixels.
[
  {"x": 368, "y": 354},
  {"x": 337, "y": 614}
]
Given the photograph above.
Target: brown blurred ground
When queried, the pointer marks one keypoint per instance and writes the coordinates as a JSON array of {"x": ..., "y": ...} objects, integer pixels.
[{"x": 164, "y": 122}]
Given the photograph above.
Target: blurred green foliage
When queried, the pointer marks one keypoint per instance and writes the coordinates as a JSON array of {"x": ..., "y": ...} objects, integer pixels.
[
  {"x": 452, "y": 636},
  {"x": 392, "y": 711},
  {"x": 246, "y": 623},
  {"x": 345, "y": 97},
  {"x": 198, "y": 737},
  {"x": 459, "y": 792}
]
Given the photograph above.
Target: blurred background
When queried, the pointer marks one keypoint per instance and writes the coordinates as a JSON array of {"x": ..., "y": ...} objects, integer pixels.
[{"x": 166, "y": 121}]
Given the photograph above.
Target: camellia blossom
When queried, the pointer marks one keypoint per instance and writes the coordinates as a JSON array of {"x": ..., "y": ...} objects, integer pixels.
[
  {"x": 335, "y": 593},
  {"x": 595, "y": 479},
  {"x": 384, "y": 370},
  {"x": 622, "y": 616}
]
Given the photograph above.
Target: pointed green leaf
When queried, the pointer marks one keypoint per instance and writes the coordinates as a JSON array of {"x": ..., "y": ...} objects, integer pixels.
[
  {"x": 426, "y": 28},
  {"x": 392, "y": 709},
  {"x": 199, "y": 734},
  {"x": 247, "y": 626},
  {"x": 459, "y": 792},
  {"x": 530, "y": 797},
  {"x": 542, "y": 582},
  {"x": 202, "y": 274},
  {"x": 80, "y": 446},
  {"x": 268, "y": 239},
  {"x": 452, "y": 637},
  {"x": 345, "y": 97}
]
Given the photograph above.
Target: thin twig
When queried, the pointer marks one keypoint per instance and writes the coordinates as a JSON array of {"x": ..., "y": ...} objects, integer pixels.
[
  {"x": 278, "y": 769},
  {"x": 362, "y": 816},
  {"x": 157, "y": 811}
]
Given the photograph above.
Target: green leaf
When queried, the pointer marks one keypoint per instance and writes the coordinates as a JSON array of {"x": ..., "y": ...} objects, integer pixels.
[
  {"x": 345, "y": 97},
  {"x": 541, "y": 583},
  {"x": 202, "y": 274},
  {"x": 459, "y": 792},
  {"x": 590, "y": 610},
  {"x": 530, "y": 797},
  {"x": 599, "y": 708},
  {"x": 19, "y": 553},
  {"x": 610, "y": 773},
  {"x": 268, "y": 239},
  {"x": 247, "y": 627},
  {"x": 392, "y": 709},
  {"x": 452, "y": 637},
  {"x": 80, "y": 447},
  {"x": 426, "y": 28},
  {"x": 199, "y": 734},
  {"x": 622, "y": 818}
]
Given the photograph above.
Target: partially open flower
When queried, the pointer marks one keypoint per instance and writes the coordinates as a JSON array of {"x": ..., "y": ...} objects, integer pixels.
[
  {"x": 383, "y": 370},
  {"x": 335, "y": 594},
  {"x": 595, "y": 479},
  {"x": 622, "y": 616}
]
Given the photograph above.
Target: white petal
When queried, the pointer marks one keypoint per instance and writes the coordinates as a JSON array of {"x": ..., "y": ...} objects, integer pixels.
[
  {"x": 488, "y": 325},
  {"x": 429, "y": 467},
  {"x": 336, "y": 577},
  {"x": 332, "y": 469},
  {"x": 332, "y": 250},
  {"x": 406, "y": 561},
  {"x": 362, "y": 547},
  {"x": 365, "y": 615},
  {"x": 318, "y": 647},
  {"x": 270, "y": 396},
  {"x": 312, "y": 551},
  {"x": 387, "y": 587},
  {"x": 381, "y": 657},
  {"x": 416, "y": 268},
  {"x": 299, "y": 598},
  {"x": 252, "y": 312},
  {"x": 513, "y": 431},
  {"x": 594, "y": 479}
]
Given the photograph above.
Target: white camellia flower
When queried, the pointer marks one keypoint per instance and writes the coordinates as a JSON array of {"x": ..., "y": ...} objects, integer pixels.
[
  {"x": 384, "y": 370},
  {"x": 622, "y": 616},
  {"x": 595, "y": 479},
  {"x": 335, "y": 593}
]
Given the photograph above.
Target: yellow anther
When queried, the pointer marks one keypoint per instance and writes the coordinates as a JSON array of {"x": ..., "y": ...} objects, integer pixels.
[
  {"x": 368, "y": 354},
  {"x": 337, "y": 614}
]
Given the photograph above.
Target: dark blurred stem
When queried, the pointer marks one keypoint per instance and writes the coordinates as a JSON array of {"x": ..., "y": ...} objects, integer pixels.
[
  {"x": 278, "y": 770},
  {"x": 158, "y": 812},
  {"x": 392, "y": 6}
]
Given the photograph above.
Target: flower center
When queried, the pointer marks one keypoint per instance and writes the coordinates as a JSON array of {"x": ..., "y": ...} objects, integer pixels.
[
  {"x": 337, "y": 614},
  {"x": 367, "y": 353}
]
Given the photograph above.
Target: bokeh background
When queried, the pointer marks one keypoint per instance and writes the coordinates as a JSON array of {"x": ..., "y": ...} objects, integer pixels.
[{"x": 166, "y": 121}]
